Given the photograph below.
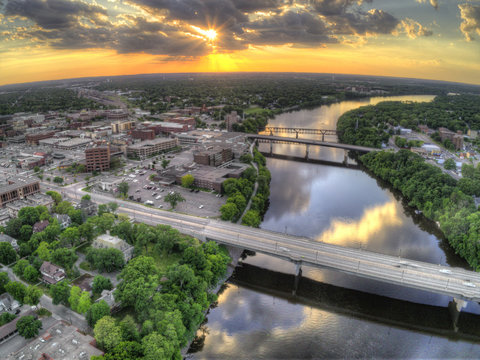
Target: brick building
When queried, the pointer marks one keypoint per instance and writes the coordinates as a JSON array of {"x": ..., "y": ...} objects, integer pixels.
[
  {"x": 147, "y": 134},
  {"x": 151, "y": 147},
  {"x": 455, "y": 138},
  {"x": 231, "y": 119},
  {"x": 33, "y": 139},
  {"x": 213, "y": 156},
  {"x": 97, "y": 158}
]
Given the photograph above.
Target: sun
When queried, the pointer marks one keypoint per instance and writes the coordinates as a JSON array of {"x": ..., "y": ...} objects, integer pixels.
[{"x": 210, "y": 35}]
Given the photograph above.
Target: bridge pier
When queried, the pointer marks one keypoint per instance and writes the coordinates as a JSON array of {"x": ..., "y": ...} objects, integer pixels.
[
  {"x": 271, "y": 148},
  {"x": 306, "y": 152},
  {"x": 323, "y": 136},
  {"x": 298, "y": 276},
  {"x": 455, "y": 307},
  {"x": 296, "y": 134},
  {"x": 345, "y": 157}
]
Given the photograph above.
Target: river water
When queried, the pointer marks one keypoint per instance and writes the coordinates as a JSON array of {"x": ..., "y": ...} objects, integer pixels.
[{"x": 334, "y": 315}]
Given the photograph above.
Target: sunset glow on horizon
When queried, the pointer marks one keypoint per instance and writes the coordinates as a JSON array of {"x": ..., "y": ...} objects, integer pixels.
[{"x": 57, "y": 39}]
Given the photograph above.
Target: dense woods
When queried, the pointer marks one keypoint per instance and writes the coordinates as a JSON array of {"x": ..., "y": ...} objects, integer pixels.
[{"x": 372, "y": 125}]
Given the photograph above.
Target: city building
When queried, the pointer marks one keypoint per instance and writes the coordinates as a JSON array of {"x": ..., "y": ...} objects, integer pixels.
[
  {"x": 144, "y": 134},
  {"x": 231, "y": 119},
  {"x": 60, "y": 342},
  {"x": 117, "y": 115},
  {"x": 73, "y": 143},
  {"x": 17, "y": 188},
  {"x": 120, "y": 126},
  {"x": 109, "y": 183},
  {"x": 208, "y": 178},
  {"x": 105, "y": 241},
  {"x": 213, "y": 156},
  {"x": 33, "y": 139},
  {"x": 455, "y": 138},
  {"x": 97, "y": 158},
  {"x": 151, "y": 147},
  {"x": 51, "y": 274}
]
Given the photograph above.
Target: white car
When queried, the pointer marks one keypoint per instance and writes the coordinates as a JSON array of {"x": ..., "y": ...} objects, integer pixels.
[
  {"x": 469, "y": 284},
  {"x": 200, "y": 207},
  {"x": 158, "y": 197},
  {"x": 445, "y": 271}
]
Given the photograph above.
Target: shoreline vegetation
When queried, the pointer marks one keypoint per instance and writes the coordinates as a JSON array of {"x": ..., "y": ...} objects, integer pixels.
[{"x": 441, "y": 198}]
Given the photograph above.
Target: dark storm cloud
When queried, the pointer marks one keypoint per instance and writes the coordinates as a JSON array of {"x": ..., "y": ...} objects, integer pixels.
[
  {"x": 75, "y": 24},
  {"x": 54, "y": 14},
  {"x": 470, "y": 15},
  {"x": 291, "y": 27}
]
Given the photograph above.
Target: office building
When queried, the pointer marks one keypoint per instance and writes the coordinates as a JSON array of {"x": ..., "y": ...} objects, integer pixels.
[{"x": 97, "y": 158}]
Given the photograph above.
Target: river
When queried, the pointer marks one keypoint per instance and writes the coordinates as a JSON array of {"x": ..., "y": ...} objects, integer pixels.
[{"x": 335, "y": 315}]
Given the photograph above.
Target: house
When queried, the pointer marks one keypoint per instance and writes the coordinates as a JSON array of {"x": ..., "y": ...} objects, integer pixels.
[
  {"x": 9, "y": 239},
  {"x": 7, "y": 303},
  {"x": 109, "y": 241},
  {"x": 63, "y": 220},
  {"x": 40, "y": 226},
  {"x": 51, "y": 274},
  {"x": 88, "y": 207}
]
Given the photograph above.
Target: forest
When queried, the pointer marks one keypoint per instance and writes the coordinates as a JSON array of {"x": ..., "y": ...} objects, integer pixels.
[
  {"x": 440, "y": 197},
  {"x": 373, "y": 125},
  {"x": 43, "y": 100}
]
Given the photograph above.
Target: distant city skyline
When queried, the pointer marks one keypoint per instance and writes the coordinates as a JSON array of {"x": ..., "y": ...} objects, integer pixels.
[{"x": 58, "y": 39}]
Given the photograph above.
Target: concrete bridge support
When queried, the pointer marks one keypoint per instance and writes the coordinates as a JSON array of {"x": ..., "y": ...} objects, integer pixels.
[
  {"x": 298, "y": 276},
  {"x": 307, "y": 151},
  {"x": 271, "y": 148},
  {"x": 345, "y": 157},
  {"x": 296, "y": 134},
  {"x": 455, "y": 307}
]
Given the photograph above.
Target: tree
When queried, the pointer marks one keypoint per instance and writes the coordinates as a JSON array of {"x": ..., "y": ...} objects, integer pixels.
[
  {"x": 60, "y": 293},
  {"x": 13, "y": 228},
  {"x": 17, "y": 290},
  {"x": 32, "y": 295},
  {"x": 129, "y": 329},
  {"x": 6, "y": 317},
  {"x": 112, "y": 206},
  {"x": 97, "y": 311},
  {"x": 107, "y": 333},
  {"x": 25, "y": 232},
  {"x": 4, "y": 280},
  {"x": 101, "y": 283},
  {"x": 75, "y": 293},
  {"x": 58, "y": 180},
  {"x": 36, "y": 169},
  {"x": 43, "y": 251},
  {"x": 86, "y": 231},
  {"x": 123, "y": 188},
  {"x": 69, "y": 236},
  {"x": 30, "y": 274},
  {"x": 20, "y": 266},
  {"x": 86, "y": 197},
  {"x": 106, "y": 259},
  {"x": 64, "y": 257},
  {"x": 125, "y": 350},
  {"x": 449, "y": 164},
  {"x": 84, "y": 302},
  {"x": 29, "y": 215},
  {"x": 76, "y": 216},
  {"x": 64, "y": 207},
  {"x": 228, "y": 211},
  {"x": 28, "y": 326},
  {"x": 251, "y": 218},
  {"x": 7, "y": 253},
  {"x": 174, "y": 199},
  {"x": 55, "y": 196},
  {"x": 187, "y": 180},
  {"x": 102, "y": 209},
  {"x": 165, "y": 163}
]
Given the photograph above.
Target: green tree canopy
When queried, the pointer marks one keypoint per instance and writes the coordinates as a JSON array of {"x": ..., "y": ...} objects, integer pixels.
[{"x": 28, "y": 326}]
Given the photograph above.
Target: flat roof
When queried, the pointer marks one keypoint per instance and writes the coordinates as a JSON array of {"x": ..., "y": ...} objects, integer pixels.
[
  {"x": 148, "y": 143},
  {"x": 18, "y": 181}
]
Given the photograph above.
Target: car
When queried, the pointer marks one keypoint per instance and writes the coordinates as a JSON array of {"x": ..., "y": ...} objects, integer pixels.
[
  {"x": 160, "y": 206},
  {"x": 281, "y": 248},
  {"x": 158, "y": 197},
  {"x": 154, "y": 194},
  {"x": 469, "y": 284},
  {"x": 197, "y": 191},
  {"x": 138, "y": 190},
  {"x": 200, "y": 207},
  {"x": 17, "y": 311},
  {"x": 192, "y": 190},
  {"x": 445, "y": 271}
]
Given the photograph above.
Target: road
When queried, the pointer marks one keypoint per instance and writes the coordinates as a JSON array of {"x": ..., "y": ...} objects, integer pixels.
[{"x": 455, "y": 282}]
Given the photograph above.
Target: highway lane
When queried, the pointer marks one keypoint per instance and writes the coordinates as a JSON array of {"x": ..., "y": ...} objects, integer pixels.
[{"x": 454, "y": 282}]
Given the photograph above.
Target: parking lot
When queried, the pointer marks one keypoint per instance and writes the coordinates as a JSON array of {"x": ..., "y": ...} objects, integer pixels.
[{"x": 199, "y": 203}]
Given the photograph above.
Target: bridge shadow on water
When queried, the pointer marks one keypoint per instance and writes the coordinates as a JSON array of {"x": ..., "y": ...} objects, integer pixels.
[
  {"x": 428, "y": 319},
  {"x": 312, "y": 161}
]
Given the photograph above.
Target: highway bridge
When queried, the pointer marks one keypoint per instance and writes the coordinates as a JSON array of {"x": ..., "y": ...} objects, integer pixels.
[
  {"x": 283, "y": 130},
  {"x": 455, "y": 282},
  {"x": 308, "y": 142}
]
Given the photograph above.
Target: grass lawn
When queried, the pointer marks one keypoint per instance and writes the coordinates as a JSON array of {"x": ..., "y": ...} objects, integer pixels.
[
  {"x": 162, "y": 261},
  {"x": 255, "y": 109}
]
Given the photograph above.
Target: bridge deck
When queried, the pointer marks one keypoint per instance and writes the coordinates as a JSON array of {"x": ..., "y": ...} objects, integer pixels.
[{"x": 312, "y": 142}]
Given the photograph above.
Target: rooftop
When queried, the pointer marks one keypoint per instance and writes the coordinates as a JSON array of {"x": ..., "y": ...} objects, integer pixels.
[
  {"x": 148, "y": 143},
  {"x": 16, "y": 182}
]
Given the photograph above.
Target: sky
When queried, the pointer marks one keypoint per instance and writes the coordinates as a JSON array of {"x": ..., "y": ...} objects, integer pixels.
[{"x": 59, "y": 39}]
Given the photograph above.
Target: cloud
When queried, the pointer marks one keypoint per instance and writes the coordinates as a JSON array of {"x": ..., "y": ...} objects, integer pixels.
[
  {"x": 434, "y": 3},
  {"x": 414, "y": 29},
  {"x": 335, "y": 7},
  {"x": 55, "y": 14},
  {"x": 470, "y": 15}
]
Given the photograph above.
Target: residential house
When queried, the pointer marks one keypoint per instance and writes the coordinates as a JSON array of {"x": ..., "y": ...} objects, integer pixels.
[
  {"x": 40, "y": 226},
  {"x": 109, "y": 241},
  {"x": 9, "y": 239},
  {"x": 7, "y": 303},
  {"x": 63, "y": 220},
  {"x": 51, "y": 274}
]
